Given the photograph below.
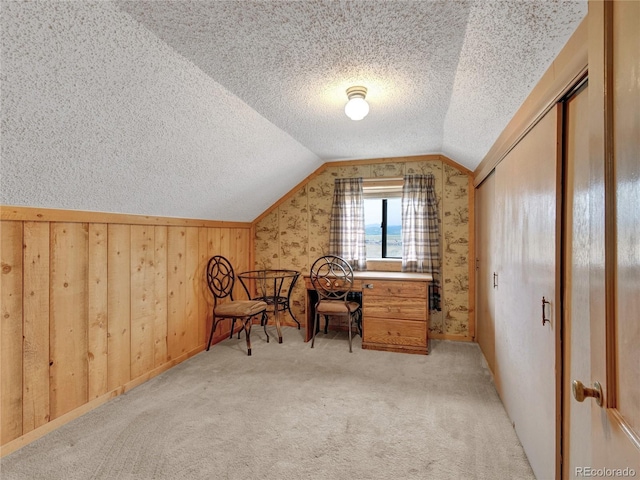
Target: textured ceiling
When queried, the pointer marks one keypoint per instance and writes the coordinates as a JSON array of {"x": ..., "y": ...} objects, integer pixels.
[
  {"x": 216, "y": 109},
  {"x": 443, "y": 76}
]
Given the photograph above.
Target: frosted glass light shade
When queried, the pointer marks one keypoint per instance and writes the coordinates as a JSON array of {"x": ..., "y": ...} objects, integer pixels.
[{"x": 356, "y": 108}]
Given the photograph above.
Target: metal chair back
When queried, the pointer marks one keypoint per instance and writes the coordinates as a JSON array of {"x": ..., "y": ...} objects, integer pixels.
[
  {"x": 220, "y": 277},
  {"x": 332, "y": 277}
]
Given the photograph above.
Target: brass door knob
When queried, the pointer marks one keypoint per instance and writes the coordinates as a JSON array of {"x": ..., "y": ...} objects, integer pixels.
[{"x": 580, "y": 392}]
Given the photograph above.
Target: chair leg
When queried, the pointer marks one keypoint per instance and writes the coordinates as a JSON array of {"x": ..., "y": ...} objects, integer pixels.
[
  {"x": 247, "y": 330},
  {"x": 264, "y": 320},
  {"x": 326, "y": 324},
  {"x": 315, "y": 325},
  {"x": 350, "y": 328},
  {"x": 213, "y": 329},
  {"x": 233, "y": 324}
]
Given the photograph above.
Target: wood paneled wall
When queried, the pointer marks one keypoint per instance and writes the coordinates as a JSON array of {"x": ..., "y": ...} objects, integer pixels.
[{"x": 94, "y": 304}]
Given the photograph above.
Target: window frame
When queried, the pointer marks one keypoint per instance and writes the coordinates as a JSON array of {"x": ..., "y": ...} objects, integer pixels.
[{"x": 383, "y": 189}]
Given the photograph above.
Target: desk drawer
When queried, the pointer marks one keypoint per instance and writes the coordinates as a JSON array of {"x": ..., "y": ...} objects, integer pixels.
[
  {"x": 394, "y": 332},
  {"x": 394, "y": 307},
  {"x": 389, "y": 288}
]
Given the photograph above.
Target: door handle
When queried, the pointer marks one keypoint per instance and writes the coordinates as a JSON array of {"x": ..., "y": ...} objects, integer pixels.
[
  {"x": 495, "y": 280},
  {"x": 580, "y": 392},
  {"x": 544, "y": 317}
]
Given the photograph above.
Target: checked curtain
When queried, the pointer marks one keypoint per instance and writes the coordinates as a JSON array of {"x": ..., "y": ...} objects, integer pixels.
[
  {"x": 420, "y": 231},
  {"x": 346, "y": 234}
]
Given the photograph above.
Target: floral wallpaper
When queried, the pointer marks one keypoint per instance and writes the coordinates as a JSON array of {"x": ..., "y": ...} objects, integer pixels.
[{"x": 296, "y": 232}]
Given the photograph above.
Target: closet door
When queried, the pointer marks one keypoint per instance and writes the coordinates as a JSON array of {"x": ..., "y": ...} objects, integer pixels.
[
  {"x": 618, "y": 363},
  {"x": 604, "y": 437},
  {"x": 525, "y": 347},
  {"x": 485, "y": 263},
  {"x": 577, "y": 418}
]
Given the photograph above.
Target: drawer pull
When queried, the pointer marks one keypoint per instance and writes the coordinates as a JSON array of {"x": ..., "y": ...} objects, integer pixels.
[{"x": 367, "y": 285}]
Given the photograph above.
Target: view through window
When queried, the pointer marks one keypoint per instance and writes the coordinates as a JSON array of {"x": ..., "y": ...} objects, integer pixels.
[{"x": 383, "y": 227}]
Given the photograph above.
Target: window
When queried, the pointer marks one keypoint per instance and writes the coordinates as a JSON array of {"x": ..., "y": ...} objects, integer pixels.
[
  {"x": 383, "y": 218},
  {"x": 383, "y": 227}
]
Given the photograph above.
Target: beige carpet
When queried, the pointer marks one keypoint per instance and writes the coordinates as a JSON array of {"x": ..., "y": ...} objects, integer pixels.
[{"x": 290, "y": 412}]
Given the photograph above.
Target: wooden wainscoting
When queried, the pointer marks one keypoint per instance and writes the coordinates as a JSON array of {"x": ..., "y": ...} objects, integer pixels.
[{"x": 94, "y": 304}]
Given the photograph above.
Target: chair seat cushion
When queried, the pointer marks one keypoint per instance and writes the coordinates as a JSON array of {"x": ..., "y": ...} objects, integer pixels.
[
  {"x": 240, "y": 308},
  {"x": 335, "y": 307}
]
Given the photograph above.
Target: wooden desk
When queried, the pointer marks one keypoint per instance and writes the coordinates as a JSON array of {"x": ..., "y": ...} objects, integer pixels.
[{"x": 395, "y": 309}]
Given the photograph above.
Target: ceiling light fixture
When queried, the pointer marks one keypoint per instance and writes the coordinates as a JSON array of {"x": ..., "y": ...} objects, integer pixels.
[{"x": 357, "y": 107}]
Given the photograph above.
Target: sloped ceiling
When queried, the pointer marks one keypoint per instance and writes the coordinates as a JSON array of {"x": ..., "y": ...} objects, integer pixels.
[
  {"x": 442, "y": 76},
  {"x": 216, "y": 109}
]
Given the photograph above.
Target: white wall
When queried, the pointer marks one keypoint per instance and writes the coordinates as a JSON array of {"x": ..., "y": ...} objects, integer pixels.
[{"x": 99, "y": 114}]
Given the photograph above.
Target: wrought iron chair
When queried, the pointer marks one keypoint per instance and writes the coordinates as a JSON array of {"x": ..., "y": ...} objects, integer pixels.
[
  {"x": 221, "y": 280},
  {"x": 332, "y": 279}
]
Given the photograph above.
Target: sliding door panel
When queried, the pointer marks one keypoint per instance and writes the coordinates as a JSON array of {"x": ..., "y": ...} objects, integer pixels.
[{"x": 525, "y": 274}]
